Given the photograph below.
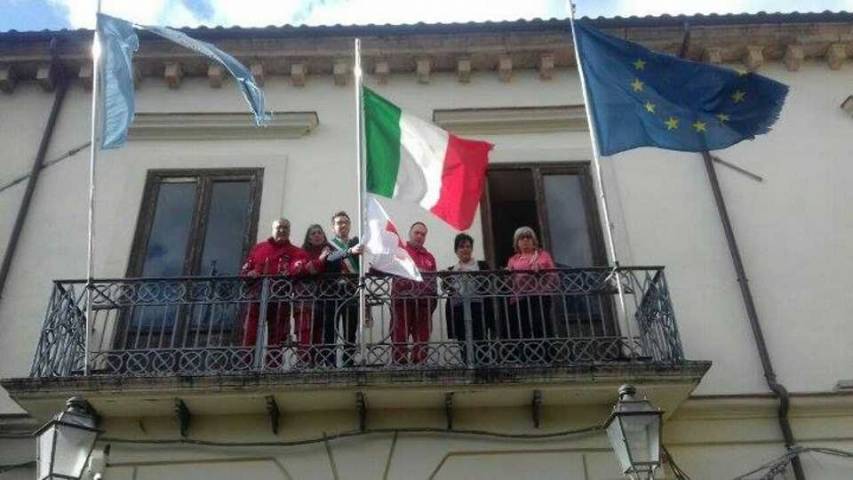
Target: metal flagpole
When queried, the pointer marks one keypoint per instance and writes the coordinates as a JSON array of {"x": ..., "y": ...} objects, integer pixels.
[
  {"x": 93, "y": 154},
  {"x": 602, "y": 197},
  {"x": 359, "y": 122}
]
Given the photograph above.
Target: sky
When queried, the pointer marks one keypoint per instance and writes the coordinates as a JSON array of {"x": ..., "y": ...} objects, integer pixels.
[{"x": 25, "y": 15}]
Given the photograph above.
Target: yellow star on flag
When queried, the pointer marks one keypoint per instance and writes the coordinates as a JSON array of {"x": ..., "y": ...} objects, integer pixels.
[
  {"x": 699, "y": 126},
  {"x": 671, "y": 123},
  {"x": 738, "y": 96},
  {"x": 723, "y": 118},
  {"x": 637, "y": 85},
  {"x": 640, "y": 64},
  {"x": 650, "y": 107}
]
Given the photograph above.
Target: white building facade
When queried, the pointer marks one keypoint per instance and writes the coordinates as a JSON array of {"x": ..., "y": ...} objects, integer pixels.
[{"x": 180, "y": 396}]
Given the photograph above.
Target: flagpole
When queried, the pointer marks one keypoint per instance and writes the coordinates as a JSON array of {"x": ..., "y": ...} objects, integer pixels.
[
  {"x": 359, "y": 122},
  {"x": 93, "y": 155},
  {"x": 602, "y": 197}
]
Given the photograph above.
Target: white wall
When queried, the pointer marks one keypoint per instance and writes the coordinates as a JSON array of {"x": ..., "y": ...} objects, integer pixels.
[{"x": 794, "y": 229}]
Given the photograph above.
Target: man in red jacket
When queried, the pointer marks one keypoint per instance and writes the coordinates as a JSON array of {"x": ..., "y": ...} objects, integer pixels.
[
  {"x": 413, "y": 302},
  {"x": 275, "y": 256}
]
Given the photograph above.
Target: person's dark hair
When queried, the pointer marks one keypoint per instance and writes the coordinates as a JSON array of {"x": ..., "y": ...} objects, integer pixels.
[
  {"x": 460, "y": 239},
  {"x": 340, "y": 213},
  {"x": 306, "y": 244},
  {"x": 418, "y": 223}
]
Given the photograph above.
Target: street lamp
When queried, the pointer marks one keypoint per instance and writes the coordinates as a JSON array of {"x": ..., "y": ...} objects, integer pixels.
[
  {"x": 65, "y": 442},
  {"x": 634, "y": 433}
]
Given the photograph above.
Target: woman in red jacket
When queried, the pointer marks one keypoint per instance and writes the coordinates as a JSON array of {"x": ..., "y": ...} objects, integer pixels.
[{"x": 307, "y": 311}]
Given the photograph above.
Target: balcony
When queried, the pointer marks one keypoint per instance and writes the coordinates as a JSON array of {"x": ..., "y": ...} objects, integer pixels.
[{"x": 501, "y": 335}]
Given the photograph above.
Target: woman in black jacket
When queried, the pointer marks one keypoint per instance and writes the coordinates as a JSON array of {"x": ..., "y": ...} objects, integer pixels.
[{"x": 459, "y": 288}]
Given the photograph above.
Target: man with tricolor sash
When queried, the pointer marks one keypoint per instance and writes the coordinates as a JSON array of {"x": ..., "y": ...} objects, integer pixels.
[{"x": 340, "y": 316}]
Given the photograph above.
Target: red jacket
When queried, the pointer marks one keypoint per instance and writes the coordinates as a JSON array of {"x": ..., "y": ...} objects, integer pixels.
[
  {"x": 313, "y": 264},
  {"x": 276, "y": 258},
  {"x": 425, "y": 263}
]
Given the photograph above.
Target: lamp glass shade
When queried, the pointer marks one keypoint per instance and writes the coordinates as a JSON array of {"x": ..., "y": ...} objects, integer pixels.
[
  {"x": 634, "y": 433},
  {"x": 44, "y": 452},
  {"x": 64, "y": 446}
]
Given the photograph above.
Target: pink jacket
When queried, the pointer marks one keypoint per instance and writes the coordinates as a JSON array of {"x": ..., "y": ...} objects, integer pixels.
[{"x": 528, "y": 283}]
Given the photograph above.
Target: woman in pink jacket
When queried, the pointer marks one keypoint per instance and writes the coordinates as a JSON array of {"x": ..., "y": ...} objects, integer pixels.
[{"x": 530, "y": 306}]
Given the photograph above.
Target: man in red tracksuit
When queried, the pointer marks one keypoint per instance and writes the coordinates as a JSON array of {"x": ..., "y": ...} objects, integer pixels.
[
  {"x": 413, "y": 302},
  {"x": 275, "y": 256}
]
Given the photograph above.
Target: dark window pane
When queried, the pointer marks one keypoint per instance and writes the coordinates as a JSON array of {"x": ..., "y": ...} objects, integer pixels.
[
  {"x": 170, "y": 231},
  {"x": 513, "y": 203},
  {"x": 567, "y": 220},
  {"x": 228, "y": 218}
]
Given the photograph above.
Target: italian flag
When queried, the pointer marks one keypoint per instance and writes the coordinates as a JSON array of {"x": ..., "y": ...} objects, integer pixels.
[{"x": 412, "y": 160}]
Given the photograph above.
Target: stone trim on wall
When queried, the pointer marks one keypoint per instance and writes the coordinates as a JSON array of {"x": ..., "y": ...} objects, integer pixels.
[
  {"x": 512, "y": 120},
  {"x": 220, "y": 126}
]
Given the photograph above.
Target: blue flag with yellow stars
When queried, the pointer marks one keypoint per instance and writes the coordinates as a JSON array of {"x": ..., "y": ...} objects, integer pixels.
[{"x": 640, "y": 98}]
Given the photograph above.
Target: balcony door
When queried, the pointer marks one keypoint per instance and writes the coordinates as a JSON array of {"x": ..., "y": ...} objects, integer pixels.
[
  {"x": 192, "y": 223},
  {"x": 556, "y": 200}
]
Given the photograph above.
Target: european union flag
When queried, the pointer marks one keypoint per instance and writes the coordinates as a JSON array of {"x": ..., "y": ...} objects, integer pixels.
[{"x": 641, "y": 98}]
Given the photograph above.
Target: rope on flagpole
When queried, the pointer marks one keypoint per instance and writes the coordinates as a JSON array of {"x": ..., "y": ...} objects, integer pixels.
[
  {"x": 93, "y": 155},
  {"x": 360, "y": 175},
  {"x": 599, "y": 183}
]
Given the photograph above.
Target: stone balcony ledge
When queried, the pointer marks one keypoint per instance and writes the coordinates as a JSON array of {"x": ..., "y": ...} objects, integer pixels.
[{"x": 669, "y": 384}]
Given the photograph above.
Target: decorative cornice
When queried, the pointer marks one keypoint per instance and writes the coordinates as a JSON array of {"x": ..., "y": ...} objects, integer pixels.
[
  {"x": 512, "y": 120},
  {"x": 500, "y": 49},
  {"x": 219, "y": 126}
]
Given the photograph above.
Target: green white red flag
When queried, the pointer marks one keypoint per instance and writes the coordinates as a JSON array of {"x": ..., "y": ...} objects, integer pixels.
[{"x": 412, "y": 160}]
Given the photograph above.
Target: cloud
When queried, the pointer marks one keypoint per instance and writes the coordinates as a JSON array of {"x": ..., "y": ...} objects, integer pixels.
[
  {"x": 260, "y": 13},
  {"x": 677, "y": 7},
  {"x": 627, "y": 8},
  {"x": 81, "y": 13},
  {"x": 249, "y": 13},
  {"x": 257, "y": 13},
  {"x": 437, "y": 11}
]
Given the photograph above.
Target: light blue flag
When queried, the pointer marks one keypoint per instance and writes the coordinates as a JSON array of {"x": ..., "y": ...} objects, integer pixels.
[
  {"x": 251, "y": 92},
  {"x": 118, "y": 43}
]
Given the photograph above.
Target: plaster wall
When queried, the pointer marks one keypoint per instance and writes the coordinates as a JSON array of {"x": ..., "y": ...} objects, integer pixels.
[
  {"x": 793, "y": 228},
  {"x": 719, "y": 443}
]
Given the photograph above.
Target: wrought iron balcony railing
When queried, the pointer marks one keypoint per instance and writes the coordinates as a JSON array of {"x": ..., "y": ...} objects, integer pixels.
[{"x": 232, "y": 325}]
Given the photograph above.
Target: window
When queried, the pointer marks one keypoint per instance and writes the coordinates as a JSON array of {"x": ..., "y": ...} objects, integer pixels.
[
  {"x": 557, "y": 200},
  {"x": 195, "y": 222},
  {"x": 192, "y": 223}
]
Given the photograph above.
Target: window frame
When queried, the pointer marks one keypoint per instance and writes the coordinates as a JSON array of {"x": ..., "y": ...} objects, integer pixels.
[
  {"x": 538, "y": 171},
  {"x": 205, "y": 178}
]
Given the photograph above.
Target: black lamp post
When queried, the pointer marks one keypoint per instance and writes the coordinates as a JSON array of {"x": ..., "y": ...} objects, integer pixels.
[
  {"x": 65, "y": 442},
  {"x": 634, "y": 432}
]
